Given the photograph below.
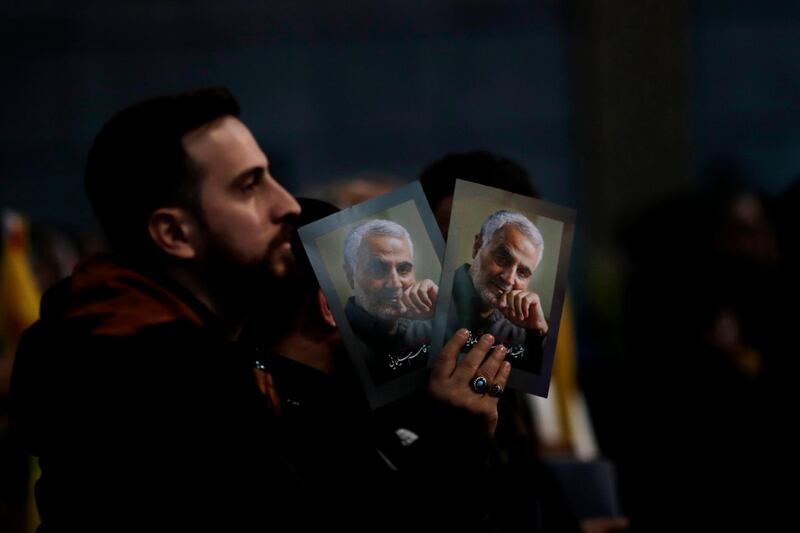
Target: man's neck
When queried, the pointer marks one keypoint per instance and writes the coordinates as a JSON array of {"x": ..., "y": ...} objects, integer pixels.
[{"x": 231, "y": 316}]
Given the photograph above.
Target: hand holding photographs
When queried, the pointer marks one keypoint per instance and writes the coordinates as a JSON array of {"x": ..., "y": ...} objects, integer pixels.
[{"x": 379, "y": 264}]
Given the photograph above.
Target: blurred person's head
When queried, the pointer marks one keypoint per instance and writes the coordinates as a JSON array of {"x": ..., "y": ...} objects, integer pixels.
[
  {"x": 788, "y": 224},
  {"x": 743, "y": 230},
  {"x": 180, "y": 181},
  {"x": 379, "y": 266},
  {"x": 738, "y": 216},
  {"x": 505, "y": 254},
  {"x": 485, "y": 168},
  {"x": 349, "y": 191}
]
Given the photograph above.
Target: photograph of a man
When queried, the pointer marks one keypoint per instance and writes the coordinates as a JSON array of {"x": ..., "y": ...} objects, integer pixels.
[
  {"x": 391, "y": 310},
  {"x": 379, "y": 265},
  {"x": 505, "y": 274},
  {"x": 492, "y": 294}
]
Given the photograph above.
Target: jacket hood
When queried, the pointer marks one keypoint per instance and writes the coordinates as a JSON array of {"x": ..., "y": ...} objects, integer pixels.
[{"x": 114, "y": 299}]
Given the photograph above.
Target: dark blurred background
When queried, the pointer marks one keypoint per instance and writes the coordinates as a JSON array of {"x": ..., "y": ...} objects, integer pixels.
[{"x": 672, "y": 127}]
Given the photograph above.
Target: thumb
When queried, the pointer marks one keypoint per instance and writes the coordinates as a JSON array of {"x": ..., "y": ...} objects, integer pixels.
[{"x": 502, "y": 300}]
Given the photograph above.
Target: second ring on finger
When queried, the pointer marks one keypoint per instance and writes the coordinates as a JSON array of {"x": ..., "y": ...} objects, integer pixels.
[{"x": 495, "y": 390}]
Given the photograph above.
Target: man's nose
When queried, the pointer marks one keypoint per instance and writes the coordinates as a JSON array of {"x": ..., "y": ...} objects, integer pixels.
[
  {"x": 507, "y": 275},
  {"x": 283, "y": 204},
  {"x": 393, "y": 280}
]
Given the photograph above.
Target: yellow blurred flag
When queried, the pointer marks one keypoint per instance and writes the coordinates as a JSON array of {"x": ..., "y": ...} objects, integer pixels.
[
  {"x": 19, "y": 293},
  {"x": 19, "y": 308}
]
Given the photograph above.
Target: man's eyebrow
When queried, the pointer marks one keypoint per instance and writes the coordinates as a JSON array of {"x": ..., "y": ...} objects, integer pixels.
[
  {"x": 526, "y": 266},
  {"x": 506, "y": 252}
]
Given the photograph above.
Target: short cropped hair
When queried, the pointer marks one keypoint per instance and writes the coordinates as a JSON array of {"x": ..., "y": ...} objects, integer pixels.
[
  {"x": 138, "y": 164},
  {"x": 504, "y": 217},
  {"x": 352, "y": 242},
  {"x": 486, "y": 168}
]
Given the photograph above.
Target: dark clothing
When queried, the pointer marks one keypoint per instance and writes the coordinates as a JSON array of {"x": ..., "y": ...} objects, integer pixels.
[
  {"x": 142, "y": 413},
  {"x": 527, "y": 495},
  {"x": 391, "y": 353},
  {"x": 525, "y": 348},
  {"x": 404, "y": 467}
]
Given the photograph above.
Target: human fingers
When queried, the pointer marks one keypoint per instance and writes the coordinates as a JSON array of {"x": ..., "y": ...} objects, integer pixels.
[
  {"x": 422, "y": 293},
  {"x": 500, "y": 380},
  {"x": 468, "y": 367},
  {"x": 414, "y": 295},
  {"x": 445, "y": 363},
  {"x": 519, "y": 304},
  {"x": 433, "y": 293},
  {"x": 502, "y": 302},
  {"x": 528, "y": 302},
  {"x": 491, "y": 365},
  {"x": 538, "y": 317}
]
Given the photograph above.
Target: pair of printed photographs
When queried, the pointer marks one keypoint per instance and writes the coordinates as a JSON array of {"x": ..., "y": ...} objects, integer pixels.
[{"x": 398, "y": 294}]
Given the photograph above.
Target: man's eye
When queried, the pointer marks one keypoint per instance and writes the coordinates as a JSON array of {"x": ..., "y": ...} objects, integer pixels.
[
  {"x": 252, "y": 183},
  {"x": 524, "y": 273},
  {"x": 502, "y": 260},
  {"x": 404, "y": 270},
  {"x": 378, "y": 270}
]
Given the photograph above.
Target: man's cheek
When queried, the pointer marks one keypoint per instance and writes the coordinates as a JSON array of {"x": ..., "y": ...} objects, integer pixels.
[
  {"x": 493, "y": 269},
  {"x": 376, "y": 288}
]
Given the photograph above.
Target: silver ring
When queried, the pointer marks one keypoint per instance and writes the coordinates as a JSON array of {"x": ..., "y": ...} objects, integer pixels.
[{"x": 479, "y": 384}]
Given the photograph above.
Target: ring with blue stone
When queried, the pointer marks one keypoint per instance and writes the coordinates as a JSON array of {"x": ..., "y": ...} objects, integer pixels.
[{"x": 480, "y": 384}]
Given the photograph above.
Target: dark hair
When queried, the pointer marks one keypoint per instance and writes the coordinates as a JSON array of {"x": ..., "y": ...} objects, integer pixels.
[
  {"x": 439, "y": 178},
  {"x": 137, "y": 163}
]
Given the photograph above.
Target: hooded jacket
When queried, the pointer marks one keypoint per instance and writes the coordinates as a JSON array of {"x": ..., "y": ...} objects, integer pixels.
[{"x": 142, "y": 412}]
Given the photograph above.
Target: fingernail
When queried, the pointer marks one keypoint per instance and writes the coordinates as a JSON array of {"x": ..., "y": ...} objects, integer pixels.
[
  {"x": 463, "y": 332},
  {"x": 488, "y": 339},
  {"x": 502, "y": 348}
]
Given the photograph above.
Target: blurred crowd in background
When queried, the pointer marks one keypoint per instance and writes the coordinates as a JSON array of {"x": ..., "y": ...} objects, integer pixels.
[{"x": 668, "y": 127}]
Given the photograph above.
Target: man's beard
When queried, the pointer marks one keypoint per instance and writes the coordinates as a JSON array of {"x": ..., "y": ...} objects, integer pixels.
[
  {"x": 235, "y": 283},
  {"x": 243, "y": 285},
  {"x": 488, "y": 289},
  {"x": 385, "y": 305}
]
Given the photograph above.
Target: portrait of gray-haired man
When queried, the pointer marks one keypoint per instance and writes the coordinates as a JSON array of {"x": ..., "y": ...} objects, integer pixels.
[
  {"x": 492, "y": 294},
  {"x": 391, "y": 311}
]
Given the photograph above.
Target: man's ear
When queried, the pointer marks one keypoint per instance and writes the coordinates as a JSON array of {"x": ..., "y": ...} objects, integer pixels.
[
  {"x": 348, "y": 273},
  {"x": 324, "y": 310},
  {"x": 476, "y": 245},
  {"x": 174, "y": 231}
]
